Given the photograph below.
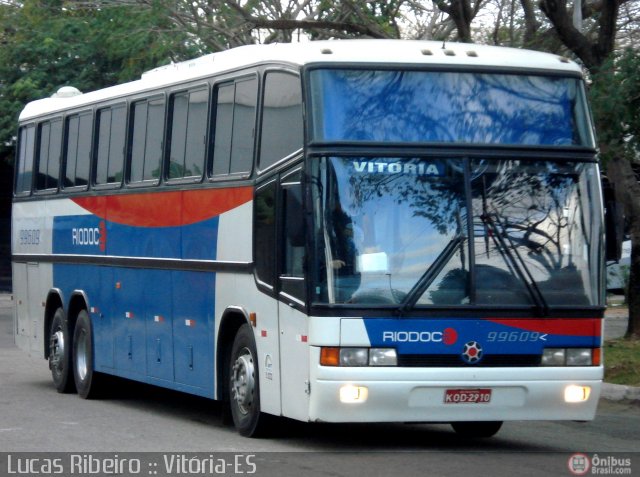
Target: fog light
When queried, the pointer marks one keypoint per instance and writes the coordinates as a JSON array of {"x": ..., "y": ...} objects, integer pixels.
[
  {"x": 575, "y": 393},
  {"x": 353, "y": 394}
]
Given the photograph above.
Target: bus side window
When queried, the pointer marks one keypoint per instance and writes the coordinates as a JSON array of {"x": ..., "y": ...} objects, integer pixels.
[
  {"x": 188, "y": 129},
  {"x": 26, "y": 149},
  {"x": 147, "y": 118},
  {"x": 77, "y": 150},
  {"x": 282, "y": 123},
  {"x": 265, "y": 234},
  {"x": 293, "y": 257},
  {"x": 110, "y": 139},
  {"x": 235, "y": 119},
  {"x": 49, "y": 151}
]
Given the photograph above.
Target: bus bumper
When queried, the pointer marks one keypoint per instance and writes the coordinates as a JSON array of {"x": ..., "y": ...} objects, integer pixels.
[{"x": 434, "y": 394}]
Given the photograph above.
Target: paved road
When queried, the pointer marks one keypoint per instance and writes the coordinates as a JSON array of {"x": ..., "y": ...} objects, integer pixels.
[{"x": 140, "y": 418}]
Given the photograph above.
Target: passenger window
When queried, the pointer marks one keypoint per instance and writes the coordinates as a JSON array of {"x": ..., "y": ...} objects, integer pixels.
[
  {"x": 110, "y": 136},
  {"x": 265, "y": 233},
  {"x": 49, "y": 149},
  {"x": 188, "y": 126},
  {"x": 235, "y": 127},
  {"x": 282, "y": 130},
  {"x": 147, "y": 119},
  {"x": 293, "y": 258},
  {"x": 78, "y": 150},
  {"x": 26, "y": 149}
]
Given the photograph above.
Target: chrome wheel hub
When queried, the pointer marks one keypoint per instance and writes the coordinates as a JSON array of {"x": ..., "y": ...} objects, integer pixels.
[
  {"x": 56, "y": 350},
  {"x": 243, "y": 381}
]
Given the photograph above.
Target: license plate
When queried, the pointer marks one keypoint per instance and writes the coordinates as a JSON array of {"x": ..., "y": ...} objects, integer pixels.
[{"x": 467, "y": 396}]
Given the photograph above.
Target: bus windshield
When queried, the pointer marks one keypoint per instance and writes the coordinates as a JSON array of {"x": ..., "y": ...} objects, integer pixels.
[
  {"x": 403, "y": 106},
  {"x": 445, "y": 232}
]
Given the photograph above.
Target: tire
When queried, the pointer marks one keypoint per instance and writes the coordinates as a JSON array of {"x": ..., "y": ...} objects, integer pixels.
[
  {"x": 87, "y": 380},
  {"x": 244, "y": 385},
  {"x": 477, "y": 430},
  {"x": 60, "y": 353}
]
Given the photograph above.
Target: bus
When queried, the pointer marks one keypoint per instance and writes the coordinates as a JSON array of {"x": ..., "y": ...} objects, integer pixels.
[{"x": 337, "y": 231}]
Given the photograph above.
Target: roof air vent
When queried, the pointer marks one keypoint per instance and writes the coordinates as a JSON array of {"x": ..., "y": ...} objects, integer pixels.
[{"x": 66, "y": 92}]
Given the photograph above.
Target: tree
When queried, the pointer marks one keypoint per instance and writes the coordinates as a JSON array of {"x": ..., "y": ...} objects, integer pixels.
[
  {"x": 615, "y": 97},
  {"x": 46, "y": 44}
]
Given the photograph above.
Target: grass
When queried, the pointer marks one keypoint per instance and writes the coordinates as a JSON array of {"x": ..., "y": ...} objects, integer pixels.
[{"x": 622, "y": 362}]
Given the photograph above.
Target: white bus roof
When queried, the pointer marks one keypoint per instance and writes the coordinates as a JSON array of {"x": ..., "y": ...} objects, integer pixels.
[{"x": 408, "y": 52}]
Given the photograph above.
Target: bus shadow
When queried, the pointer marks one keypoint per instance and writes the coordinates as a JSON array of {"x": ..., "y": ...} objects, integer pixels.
[{"x": 353, "y": 437}]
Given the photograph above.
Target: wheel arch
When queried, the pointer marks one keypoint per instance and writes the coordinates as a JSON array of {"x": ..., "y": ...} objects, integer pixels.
[
  {"x": 78, "y": 301},
  {"x": 232, "y": 319},
  {"x": 55, "y": 300}
]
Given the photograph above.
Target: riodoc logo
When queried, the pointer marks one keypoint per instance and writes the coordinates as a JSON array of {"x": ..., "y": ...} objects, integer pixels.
[
  {"x": 90, "y": 236},
  {"x": 448, "y": 336}
]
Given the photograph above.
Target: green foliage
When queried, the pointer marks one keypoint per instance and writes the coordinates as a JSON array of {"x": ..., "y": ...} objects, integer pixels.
[
  {"x": 46, "y": 44},
  {"x": 615, "y": 99},
  {"x": 622, "y": 362}
]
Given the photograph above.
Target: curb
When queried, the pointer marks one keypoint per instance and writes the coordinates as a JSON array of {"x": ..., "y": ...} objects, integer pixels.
[{"x": 619, "y": 392}]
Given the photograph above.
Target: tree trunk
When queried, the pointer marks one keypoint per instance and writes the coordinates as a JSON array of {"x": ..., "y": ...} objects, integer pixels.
[
  {"x": 627, "y": 190},
  {"x": 633, "y": 293}
]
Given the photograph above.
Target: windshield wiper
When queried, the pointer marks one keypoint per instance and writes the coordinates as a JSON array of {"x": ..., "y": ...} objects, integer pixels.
[
  {"x": 510, "y": 251},
  {"x": 427, "y": 278}
]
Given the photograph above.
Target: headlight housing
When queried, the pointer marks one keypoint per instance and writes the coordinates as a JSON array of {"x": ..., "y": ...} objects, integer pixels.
[
  {"x": 571, "y": 357},
  {"x": 334, "y": 356}
]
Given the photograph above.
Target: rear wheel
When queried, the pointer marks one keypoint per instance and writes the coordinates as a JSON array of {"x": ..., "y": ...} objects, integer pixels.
[
  {"x": 87, "y": 380},
  {"x": 477, "y": 430},
  {"x": 60, "y": 353},
  {"x": 244, "y": 386}
]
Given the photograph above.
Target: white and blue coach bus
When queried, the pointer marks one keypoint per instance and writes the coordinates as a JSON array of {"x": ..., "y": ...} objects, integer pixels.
[{"x": 346, "y": 231}]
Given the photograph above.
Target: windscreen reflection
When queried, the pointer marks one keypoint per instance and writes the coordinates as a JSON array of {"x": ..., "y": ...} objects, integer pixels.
[
  {"x": 406, "y": 106},
  {"x": 395, "y": 231}
]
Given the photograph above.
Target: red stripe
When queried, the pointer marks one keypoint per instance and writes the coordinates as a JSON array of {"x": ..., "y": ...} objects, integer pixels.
[
  {"x": 556, "y": 326},
  {"x": 166, "y": 209}
]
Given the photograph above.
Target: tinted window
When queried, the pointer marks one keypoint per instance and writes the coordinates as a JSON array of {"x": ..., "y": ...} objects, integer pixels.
[
  {"x": 244, "y": 120},
  {"x": 25, "y": 159},
  {"x": 78, "y": 150},
  {"x": 147, "y": 133},
  {"x": 292, "y": 277},
  {"x": 448, "y": 107},
  {"x": 49, "y": 148},
  {"x": 265, "y": 233},
  {"x": 235, "y": 127},
  {"x": 188, "y": 132},
  {"x": 110, "y": 134},
  {"x": 282, "y": 132},
  {"x": 223, "y": 125}
]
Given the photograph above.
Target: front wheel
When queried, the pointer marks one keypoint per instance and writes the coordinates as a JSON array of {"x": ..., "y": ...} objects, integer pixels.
[
  {"x": 244, "y": 386},
  {"x": 477, "y": 430},
  {"x": 60, "y": 353},
  {"x": 87, "y": 380}
]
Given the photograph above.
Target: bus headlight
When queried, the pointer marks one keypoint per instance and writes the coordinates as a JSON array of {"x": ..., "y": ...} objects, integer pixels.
[
  {"x": 578, "y": 357},
  {"x": 571, "y": 357},
  {"x": 334, "y": 356},
  {"x": 383, "y": 357},
  {"x": 354, "y": 356}
]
